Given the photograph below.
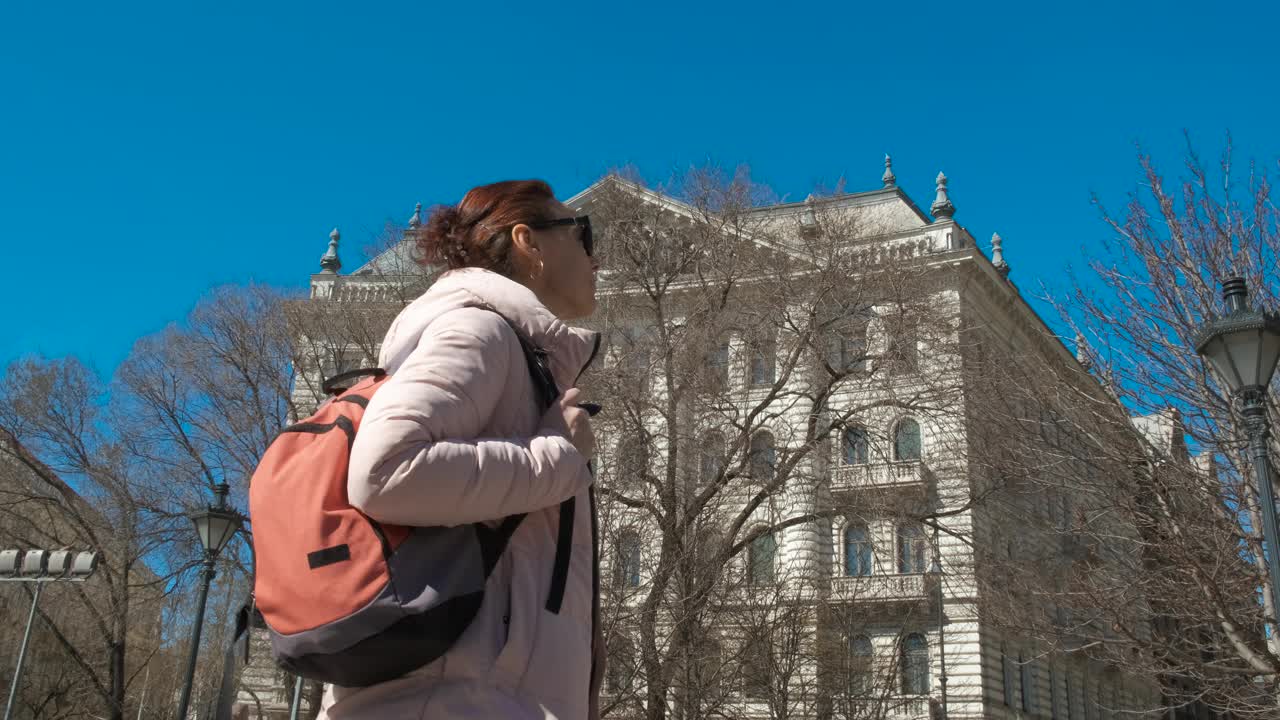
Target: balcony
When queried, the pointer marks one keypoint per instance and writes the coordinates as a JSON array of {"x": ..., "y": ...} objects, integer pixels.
[
  {"x": 911, "y": 707},
  {"x": 883, "y": 589},
  {"x": 878, "y": 476}
]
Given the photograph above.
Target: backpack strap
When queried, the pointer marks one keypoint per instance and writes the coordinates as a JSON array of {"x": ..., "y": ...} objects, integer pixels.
[
  {"x": 493, "y": 541},
  {"x": 331, "y": 385}
]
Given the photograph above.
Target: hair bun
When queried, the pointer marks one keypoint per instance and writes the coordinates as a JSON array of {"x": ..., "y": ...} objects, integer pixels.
[{"x": 444, "y": 237}]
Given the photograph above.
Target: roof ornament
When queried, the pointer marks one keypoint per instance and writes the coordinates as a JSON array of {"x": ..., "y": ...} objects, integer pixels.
[
  {"x": 809, "y": 219},
  {"x": 329, "y": 262},
  {"x": 1082, "y": 352},
  {"x": 415, "y": 222},
  {"x": 942, "y": 208},
  {"x": 997, "y": 254},
  {"x": 890, "y": 180}
]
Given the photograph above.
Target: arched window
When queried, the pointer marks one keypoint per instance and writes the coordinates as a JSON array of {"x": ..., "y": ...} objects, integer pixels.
[
  {"x": 760, "y": 560},
  {"x": 626, "y": 565},
  {"x": 763, "y": 457},
  {"x": 915, "y": 665},
  {"x": 711, "y": 458},
  {"x": 858, "y": 557},
  {"x": 620, "y": 670},
  {"x": 856, "y": 446},
  {"x": 911, "y": 549},
  {"x": 861, "y": 679},
  {"x": 906, "y": 440}
]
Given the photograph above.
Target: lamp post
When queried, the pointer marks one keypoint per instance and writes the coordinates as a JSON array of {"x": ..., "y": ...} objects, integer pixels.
[
  {"x": 216, "y": 525},
  {"x": 40, "y": 567},
  {"x": 1243, "y": 347},
  {"x": 935, "y": 572}
]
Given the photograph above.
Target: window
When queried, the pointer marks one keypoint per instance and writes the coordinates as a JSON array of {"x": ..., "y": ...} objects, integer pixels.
[
  {"x": 911, "y": 549},
  {"x": 620, "y": 670},
  {"x": 1072, "y": 708},
  {"x": 1006, "y": 677},
  {"x": 763, "y": 457},
  {"x": 760, "y": 560},
  {"x": 711, "y": 458},
  {"x": 856, "y": 446},
  {"x": 857, "y": 551},
  {"x": 764, "y": 363},
  {"x": 847, "y": 330},
  {"x": 861, "y": 679},
  {"x": 1054, "y": 713},
  {"x": 718, "y": 368},
  {"x": 632, "y": 348},
  {"x": 626, "y": 566},
  {"x": 853, "y": 349},
  {"x": 1028, "y": 684},
  {"x": 630, "y": 463},
  {"x": 906, "y": 441},
  {"x": 708, "y": 665},
  {"x": 849, "y": 347},
  {"x": 915, "y": 665},
  {"x": 757, "y": 670},
  {"x": 904, "y": 345}
]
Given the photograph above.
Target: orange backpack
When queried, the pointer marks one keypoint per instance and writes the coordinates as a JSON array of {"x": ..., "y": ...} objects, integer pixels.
[{"x": 349, "y": 600}]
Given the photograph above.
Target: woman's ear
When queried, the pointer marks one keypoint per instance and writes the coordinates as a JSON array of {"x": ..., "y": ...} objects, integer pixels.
[
  {"x": 522, "y": 240},
  {"x": 525, "y": 251}
]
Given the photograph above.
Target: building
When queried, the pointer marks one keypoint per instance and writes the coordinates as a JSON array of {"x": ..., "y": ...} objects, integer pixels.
[{"x": 892, "y": 580}]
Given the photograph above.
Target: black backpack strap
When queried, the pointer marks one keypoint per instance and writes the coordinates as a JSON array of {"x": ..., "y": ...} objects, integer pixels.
[
  {"x": 564, "y": 548},
  {"x": 545, "y": 384},
  {"x": 332, "y": 385},
  {"x": 493, "y": 541}
]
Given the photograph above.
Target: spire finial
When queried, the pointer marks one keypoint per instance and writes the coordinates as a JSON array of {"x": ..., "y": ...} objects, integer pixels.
[
  {"x": 889, "y": 178},
  {"x": 997, "y": 254},
  {"x": 809, "y": 218},
  {"x": 1082, "y": 351},
  {"x": 415, "y": 222},
  {"x": 942, "y": 208},
  {"x": 329, "y": 262}
]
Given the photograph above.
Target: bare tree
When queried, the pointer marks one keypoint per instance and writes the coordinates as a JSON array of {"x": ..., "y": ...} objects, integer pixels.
[
  {"x": 737, "y": 357},
  {"x": 1157, "y": 560},
  {"x": 192, "y": 407},
  {"x": 99, "y": 636}
]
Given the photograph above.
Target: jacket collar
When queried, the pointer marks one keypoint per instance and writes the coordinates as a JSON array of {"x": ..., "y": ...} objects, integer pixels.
[{"x": 569, "y": 349}]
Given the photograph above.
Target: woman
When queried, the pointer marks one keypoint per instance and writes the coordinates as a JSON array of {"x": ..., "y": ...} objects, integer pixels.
[{"x": 457, "y": 435}]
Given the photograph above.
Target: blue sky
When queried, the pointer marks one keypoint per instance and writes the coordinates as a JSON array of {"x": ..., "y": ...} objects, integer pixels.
[{"x": 150, "y": 152}]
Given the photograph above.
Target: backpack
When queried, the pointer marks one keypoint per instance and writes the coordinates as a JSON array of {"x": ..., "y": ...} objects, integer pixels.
[{"x": 348, "y": 600}]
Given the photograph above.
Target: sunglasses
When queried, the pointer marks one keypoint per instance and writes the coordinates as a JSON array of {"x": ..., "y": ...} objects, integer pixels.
[{"x": 582, "y": 221}]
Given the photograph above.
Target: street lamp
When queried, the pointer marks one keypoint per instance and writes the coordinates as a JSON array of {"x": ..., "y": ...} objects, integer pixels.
[
  {"x": 216, "y": 525},
  {"x": 935, "y": 572},
  {"x": 40, "y": 567},
  {"x": 1243, "y": 347}
]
